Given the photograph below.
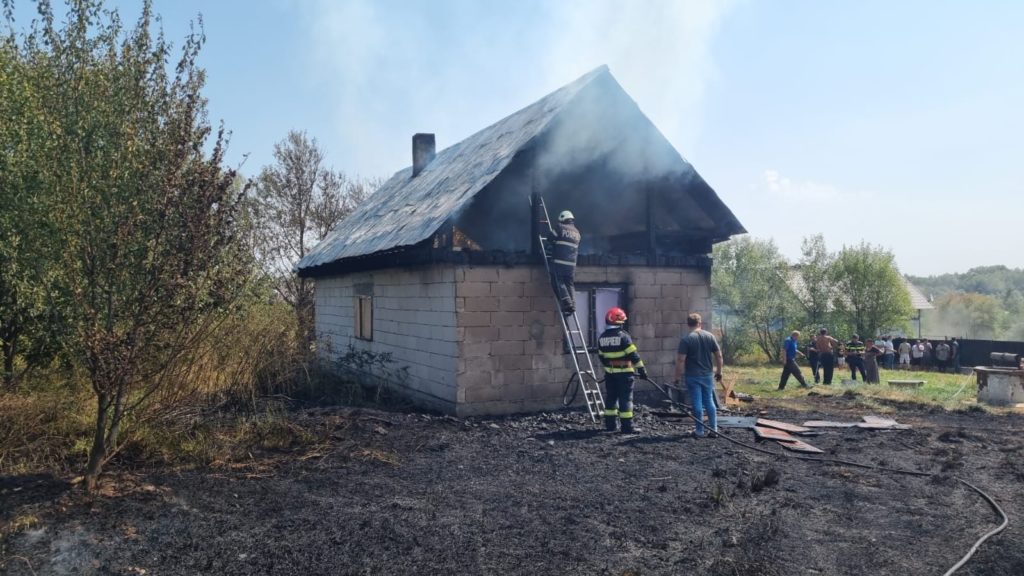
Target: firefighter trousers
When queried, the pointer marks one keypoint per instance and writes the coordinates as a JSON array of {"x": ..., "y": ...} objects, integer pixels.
[{"x": 618, "y": 401}]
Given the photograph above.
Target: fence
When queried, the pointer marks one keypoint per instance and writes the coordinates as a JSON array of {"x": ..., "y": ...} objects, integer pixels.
[{"x": 975, "y": 352}]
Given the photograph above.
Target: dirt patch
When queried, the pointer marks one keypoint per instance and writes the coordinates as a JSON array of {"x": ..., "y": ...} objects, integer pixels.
[{"x": 397, "y": 493}]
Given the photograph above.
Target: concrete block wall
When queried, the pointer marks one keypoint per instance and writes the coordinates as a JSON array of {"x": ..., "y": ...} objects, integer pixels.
[
  {"x": 510, "y": 356},
  {"x": 414, "y": 319}
]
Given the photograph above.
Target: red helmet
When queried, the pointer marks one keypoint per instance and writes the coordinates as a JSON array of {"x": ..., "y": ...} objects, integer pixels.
[{"x": 615, "y": 316}]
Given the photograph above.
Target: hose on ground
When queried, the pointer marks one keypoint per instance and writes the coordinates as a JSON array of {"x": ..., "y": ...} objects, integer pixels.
[{"x": 1006, "y": 520}]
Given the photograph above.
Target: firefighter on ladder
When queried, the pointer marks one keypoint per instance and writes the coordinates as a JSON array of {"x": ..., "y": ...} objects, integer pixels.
[
  {"x": 621, "y": 363},
  {"x": 566, "y": 242}
]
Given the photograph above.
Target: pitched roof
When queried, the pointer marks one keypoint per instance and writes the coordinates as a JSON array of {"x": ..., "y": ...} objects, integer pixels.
[
  {"x": 406, "y": 210},
  {"x": 918, "y": 301}
]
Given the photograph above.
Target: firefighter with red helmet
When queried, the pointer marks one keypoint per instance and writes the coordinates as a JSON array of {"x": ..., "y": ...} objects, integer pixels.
[{"x": 621, "y": 365}]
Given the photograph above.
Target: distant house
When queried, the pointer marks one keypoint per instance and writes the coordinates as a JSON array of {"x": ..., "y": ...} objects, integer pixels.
[
  {"x": 918, "y": 301},
  {"x": 441, "y": 269}
]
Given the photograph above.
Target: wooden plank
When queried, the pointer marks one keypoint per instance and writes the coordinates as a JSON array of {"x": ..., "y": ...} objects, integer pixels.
[
  {"x": 801, "y": 446},
  {"x": 737, "y": 421},
  {"x": 773, "y": 434},
  {"x": 907, "y": 383},
  {"x": 782, "y": 425},
  {"x": 829, "y": 424}
]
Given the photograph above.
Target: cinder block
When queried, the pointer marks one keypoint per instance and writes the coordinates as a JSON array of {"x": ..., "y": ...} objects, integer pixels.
[
  {"x": 472, "y": 289},
  {"x": 669, "y": 304},
  {"x": 483, "y": 393},
  {"x": 672, "y": 291},
  {"x": 619, "y": 275},
  {"x": 543, "y": 303},
  {"x": 474, "y": 350},
  {"x": 537, "y": 289},
  {"x": 514, "y": 304},
  {"x": 522, "y": 362},
  {"x": 507, "y": 348},
  {"x": 507, "y": 289},
  {"x": 539, "y": 274},
  {"x": 591, "y": 274},
  {"x": 694, "y": 277},
  {"x": 482, "y": 304},
  {"x": 642, "y": 276},
  {"x": 505, "y": 319},
  {"x": 483, "y": 364},
  {"x": 513, "y": 333},
  {"x": 644, "y": 305},
  {"x": 508, "y": 379},
  {"x": 479, "y": 334},
  {"x": 545, "y": 319},
  {"x": 646, "y": 291},
  {"x": 699, "y": 291},
  {"x": 473, "y": 319},
  {"x": 481, "y": 274},
  {"x": 516, "y": 274},
  {"x": 663, "y": 277}
]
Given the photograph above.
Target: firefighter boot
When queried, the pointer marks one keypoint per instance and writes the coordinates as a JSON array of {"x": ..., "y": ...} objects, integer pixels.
[
  {"x": 627, "y": 426},
  {"x": 610, "y": 423}
]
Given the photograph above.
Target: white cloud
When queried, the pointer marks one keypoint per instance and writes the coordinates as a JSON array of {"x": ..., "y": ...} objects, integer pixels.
[{"x": 802, "y": 191}]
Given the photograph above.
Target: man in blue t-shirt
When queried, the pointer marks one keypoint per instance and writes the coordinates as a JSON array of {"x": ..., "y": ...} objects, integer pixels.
[{"x": 790, "y": 348}]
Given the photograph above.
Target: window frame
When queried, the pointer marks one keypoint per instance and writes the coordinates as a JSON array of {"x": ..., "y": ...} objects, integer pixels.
[
  {"x": 358, "y": 317},
  {"x": 591, "y": 289}
]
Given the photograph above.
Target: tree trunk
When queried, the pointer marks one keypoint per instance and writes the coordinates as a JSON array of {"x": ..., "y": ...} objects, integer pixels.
[
  {"x": 10, "y": 349},
  {"x": 99, "y": 446}
]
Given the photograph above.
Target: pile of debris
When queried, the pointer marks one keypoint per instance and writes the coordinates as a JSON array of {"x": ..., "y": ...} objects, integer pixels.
[{"x": 786, "y": 434}]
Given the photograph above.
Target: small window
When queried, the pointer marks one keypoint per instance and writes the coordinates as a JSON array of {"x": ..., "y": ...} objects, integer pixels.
[{"x": 364, "y": 317}]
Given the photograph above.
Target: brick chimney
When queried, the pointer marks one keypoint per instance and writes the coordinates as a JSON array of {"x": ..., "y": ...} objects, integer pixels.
[{"x": 423, "y": 148}]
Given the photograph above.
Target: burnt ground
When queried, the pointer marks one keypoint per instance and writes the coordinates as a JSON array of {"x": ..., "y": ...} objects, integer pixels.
[{"x": 394, "y": 493}]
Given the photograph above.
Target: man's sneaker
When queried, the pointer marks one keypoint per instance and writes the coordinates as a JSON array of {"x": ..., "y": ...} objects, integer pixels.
[{"x": 694, "y": 434}]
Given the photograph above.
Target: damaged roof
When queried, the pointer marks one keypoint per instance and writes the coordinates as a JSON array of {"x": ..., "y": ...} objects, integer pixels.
[{"x": 406, "y": 210}]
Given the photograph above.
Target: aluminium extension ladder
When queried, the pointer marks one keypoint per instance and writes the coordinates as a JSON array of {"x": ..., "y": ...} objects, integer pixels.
[{"x": 574, "y": 336}]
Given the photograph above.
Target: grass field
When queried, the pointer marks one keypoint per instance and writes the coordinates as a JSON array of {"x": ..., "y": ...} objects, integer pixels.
[{"x": 950, "y": 391}]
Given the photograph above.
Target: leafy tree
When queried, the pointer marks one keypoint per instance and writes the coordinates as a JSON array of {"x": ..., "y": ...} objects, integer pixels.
[
  {"x": 296, "y": 202},
  {"x": 148, "y": 258},
  {"x": 749, "y": 277},
  {"x": 815, "y": 291},
  {"x": 870, "y": 290}
]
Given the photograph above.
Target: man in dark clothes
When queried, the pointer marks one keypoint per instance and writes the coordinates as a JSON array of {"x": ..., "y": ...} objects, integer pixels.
[
  {"x": 790, "y": 348},
  {"x": 855, "y": 357},
  {"x": 565, "y": 242},
  {"x": 826, "y": 345},
  {"x": 621, "y": 363},
  {"x": 812, "y": 359},
  {"x": 954, "y": 348}
]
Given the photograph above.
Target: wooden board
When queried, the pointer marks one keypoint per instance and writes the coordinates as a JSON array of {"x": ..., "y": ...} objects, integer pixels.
[
  {"x": 801, "y": 446},
  {"x": 907, "y": 383},
  {"x": 782, "y": 425},
  {"x": 829, "y": 424},
  {"x": 773, "y": 434},
  {"x": 877, "y": 423},
  {"x": 737, "y": 421}
]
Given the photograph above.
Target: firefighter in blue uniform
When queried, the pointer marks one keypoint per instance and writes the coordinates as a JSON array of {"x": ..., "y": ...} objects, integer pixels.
[
  {"x": 566, "y": 241},
  {"x": 621, "y": 364}
]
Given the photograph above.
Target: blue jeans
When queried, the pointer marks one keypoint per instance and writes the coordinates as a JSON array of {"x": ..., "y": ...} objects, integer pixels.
[{"x": 702, "y": 391}]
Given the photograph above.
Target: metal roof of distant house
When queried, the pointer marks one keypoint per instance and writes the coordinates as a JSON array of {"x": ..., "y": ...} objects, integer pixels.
[
  {"x": 918, "y": 301},
  {"x": 407, "y": 209}
]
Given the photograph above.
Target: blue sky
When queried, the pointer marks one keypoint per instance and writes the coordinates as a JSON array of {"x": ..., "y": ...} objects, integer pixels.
[{"x": 899, "y": 123}]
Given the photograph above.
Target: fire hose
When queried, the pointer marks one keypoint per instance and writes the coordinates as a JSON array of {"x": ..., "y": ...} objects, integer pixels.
[{"x": 664, "y": 389}]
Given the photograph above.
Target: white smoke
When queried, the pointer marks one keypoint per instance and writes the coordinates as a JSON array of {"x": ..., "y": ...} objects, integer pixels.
[{"x": 398, "y": 67}]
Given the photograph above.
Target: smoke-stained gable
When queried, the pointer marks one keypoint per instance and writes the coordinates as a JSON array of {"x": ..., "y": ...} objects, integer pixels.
[{"x": 585, "y": 147}]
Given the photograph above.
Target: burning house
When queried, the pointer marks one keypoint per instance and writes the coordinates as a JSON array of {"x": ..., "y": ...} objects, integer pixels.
[{"x": 441, "y": 267}]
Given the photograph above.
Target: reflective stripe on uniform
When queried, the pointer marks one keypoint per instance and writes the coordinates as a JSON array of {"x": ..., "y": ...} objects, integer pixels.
[
  {"x": 626, "y": 414},
  {"x": 564, "y": 262},
  {"x": 614, "y": 370},
  {"x": 565, "y": 243},
  {"x": 611, "y": 412}
]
